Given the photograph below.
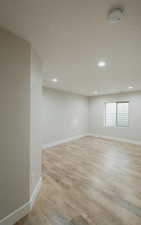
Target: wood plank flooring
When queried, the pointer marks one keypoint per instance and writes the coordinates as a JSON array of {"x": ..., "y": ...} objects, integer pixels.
[{"x": 89, "y": 181}]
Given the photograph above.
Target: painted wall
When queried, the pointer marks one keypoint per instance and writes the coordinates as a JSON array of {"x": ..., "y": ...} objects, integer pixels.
[
  {"x": 96, "y": 116},
  {"x": 65, "y": 115},
  {"x": 36, "y": 120},
  {"x": 14, "y": 122},
  {"x": 21, "y": 122}
]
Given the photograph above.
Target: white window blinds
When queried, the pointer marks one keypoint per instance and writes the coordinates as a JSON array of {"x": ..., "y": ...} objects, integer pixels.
[
  {"x": 122, "y": 114},
  {"x": 116, "y": 114},
  {"x": 110, "y": 114}
]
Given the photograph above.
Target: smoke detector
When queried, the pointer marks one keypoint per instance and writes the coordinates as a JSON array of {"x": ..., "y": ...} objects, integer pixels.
[{"x": 115, "y": 15}]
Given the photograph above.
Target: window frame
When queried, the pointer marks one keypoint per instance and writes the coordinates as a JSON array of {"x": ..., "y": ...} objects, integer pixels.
[{"x": 116, "y": 123}]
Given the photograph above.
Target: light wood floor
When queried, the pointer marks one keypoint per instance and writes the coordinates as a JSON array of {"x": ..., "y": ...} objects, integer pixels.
[{"x": 89, "y": 181}]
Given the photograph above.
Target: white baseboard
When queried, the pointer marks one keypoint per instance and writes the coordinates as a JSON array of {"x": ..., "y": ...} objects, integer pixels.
[
  {"x": 16, "y": 215},
  {"x": 35, "y": 192},
  {"x": 115, "y": 139},
  {"x": 23, "y": 210},
  {"x": 64, "y": 141}
]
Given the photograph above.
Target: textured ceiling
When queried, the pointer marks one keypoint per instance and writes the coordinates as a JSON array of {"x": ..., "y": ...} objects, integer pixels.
[{"x": 71, "y": 36}]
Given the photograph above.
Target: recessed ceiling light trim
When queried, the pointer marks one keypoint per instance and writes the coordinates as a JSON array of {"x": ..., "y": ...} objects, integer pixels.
[
  {"x": 102, "y": 64},
  {"x": 95, "y": 92},
  {"x": 55, "y": 80},
  {"x": 130, "y": 87}
]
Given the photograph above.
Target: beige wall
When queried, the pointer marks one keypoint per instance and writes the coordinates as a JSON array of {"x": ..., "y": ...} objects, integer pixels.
[
  {"x": 14, "y": 122},
  {"x": 36, "y": 119},
  {"x": 65, "y": 115},
  {"x": 96, "y": 116}
]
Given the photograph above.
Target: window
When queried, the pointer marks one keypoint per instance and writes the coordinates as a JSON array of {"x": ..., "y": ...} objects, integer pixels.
[
  {"x": 110, "y": 115},
  {"x": 122, "y": 114},
  {"x": 116, "y": 114}
]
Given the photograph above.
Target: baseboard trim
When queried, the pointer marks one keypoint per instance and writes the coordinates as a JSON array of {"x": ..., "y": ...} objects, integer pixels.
[
  {"x": 64, "y": 141},
  {"x": 35, "y": 192},
  {"x": 16, "y": 215},
  {"x": 115, "y": 139},
  {"x": 19, "y": 213}
]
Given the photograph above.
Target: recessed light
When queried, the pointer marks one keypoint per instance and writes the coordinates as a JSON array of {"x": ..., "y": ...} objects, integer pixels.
[
  {"x": 95, "y": 92},
  {"x": 130, "y": 87},
  {"x": 101, "y": 63},
  {"x": 55, "y": 80}
]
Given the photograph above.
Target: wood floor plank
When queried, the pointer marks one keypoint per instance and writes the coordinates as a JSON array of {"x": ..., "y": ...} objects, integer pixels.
[{"x": 89, "y": 181}]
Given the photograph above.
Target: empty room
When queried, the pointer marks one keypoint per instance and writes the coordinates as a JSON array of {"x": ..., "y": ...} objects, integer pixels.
[{"x": 70, "y": 115}]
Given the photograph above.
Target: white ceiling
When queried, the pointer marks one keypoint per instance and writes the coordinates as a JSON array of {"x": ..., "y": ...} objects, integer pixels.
[{"x": 71, "y": 36}]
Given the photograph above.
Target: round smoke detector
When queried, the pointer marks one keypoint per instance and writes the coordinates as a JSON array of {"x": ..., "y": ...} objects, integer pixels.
[{"x": 115, "y": 15}]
